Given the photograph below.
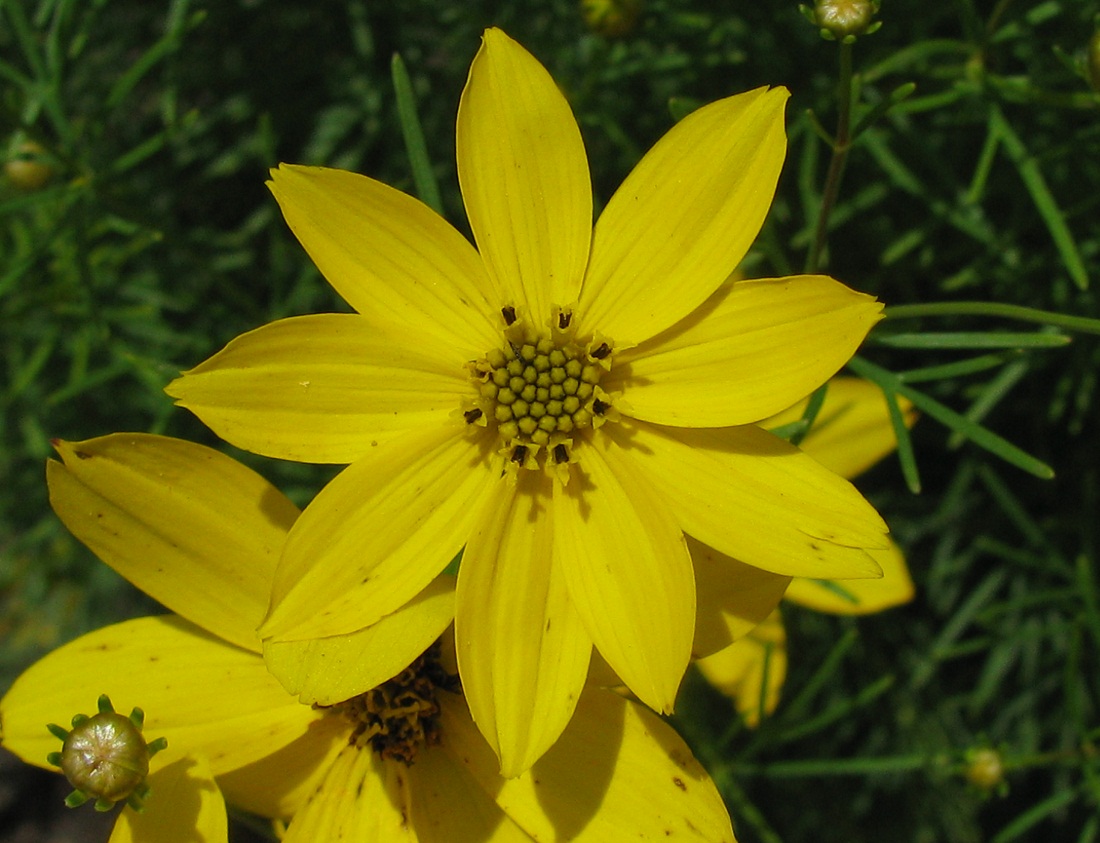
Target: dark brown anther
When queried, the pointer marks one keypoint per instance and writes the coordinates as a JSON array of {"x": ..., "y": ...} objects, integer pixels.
[
  {"x": 519, "y": 454},
  {"x": 509, "y": 314},
  {"x": 600, "y": 407},
  {"x": 472, "y": 416},
  {"x": 601, "y": 352},
  {"x": 561, "y": 453},
  {"x": 564, "y": 318}
]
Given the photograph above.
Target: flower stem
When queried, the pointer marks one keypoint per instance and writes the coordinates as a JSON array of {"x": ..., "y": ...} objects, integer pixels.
[
  {"x": 841, "y": 145},
  {"x": 1082, "y": 324}
]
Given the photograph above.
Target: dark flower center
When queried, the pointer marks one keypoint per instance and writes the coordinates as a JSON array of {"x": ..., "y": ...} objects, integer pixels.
[
  {"x": 401, "y": 715},
  {"x": 540, "y": 389}
]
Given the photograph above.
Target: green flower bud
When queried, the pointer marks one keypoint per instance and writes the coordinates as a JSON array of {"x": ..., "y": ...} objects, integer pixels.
[
  {"x": 844, "y": 20},
  {"x": 105, "y": 757},
  {"x": 27, "y": 168},
  {"x": 611, "y": 18},
  {"x": 985, "y": 768}
]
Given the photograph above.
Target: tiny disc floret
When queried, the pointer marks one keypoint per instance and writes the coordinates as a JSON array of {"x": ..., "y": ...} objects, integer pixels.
[
  {"x": 541, "y": 390},
  {"x": 105, "y": 757},
  {"x": 400, "y": 716}
]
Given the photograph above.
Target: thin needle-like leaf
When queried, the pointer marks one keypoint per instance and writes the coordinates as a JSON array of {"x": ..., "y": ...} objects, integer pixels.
[
  {"x": 1042, "y": 197},
  {"x": 415, "y": 146}
]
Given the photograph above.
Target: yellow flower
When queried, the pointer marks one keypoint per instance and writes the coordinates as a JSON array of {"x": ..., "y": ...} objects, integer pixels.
[
  {"x": 565, "y": 403},
  {"x": 200, "y": 532},
  {"x": 851, "y": 433}
]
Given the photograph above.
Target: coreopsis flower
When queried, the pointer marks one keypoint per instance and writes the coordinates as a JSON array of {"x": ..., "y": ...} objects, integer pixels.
[
  {"x": 401, "y": 760},
  {"x": 852, "y": 432},
  {"x": 573, "y": 407}
]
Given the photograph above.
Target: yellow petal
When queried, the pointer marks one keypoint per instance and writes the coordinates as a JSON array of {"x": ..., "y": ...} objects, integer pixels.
[
  {"x": 754, "y": 497},
  {"x": 852, "y": 430},
  {"x": 684, "y": 218},
  {"x": 752, "y": 350},
  {"x": 450, "y": 807},
  {"x": 391, "y": 256},
  {"x": 733, "y": 598},
  {"x": 858, "y": 597},
  {"x": 522, "y": 649},
  {"x": 524, "y": 178},
  {"x": 617, "y": 774},
  {"x": 278, "y": 785},
  {"x": 362, "y": 799},
  {"x": 184, "y": 806},
  {"x": 187, "y": 525},
  {"x": 378, "y": 533},
  {"x": 201, "y": 694},
  {"x": 325, "y": 388},
  {"x": 752, "y": 671},
  {"x": 330, "y": 670},
  {"x": 628, "y": 572}
]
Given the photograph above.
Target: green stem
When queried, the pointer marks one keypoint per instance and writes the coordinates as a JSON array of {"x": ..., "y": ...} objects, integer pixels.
[
  {"x": 839, "y": 766},
  {"x": 984, "y": 308},
  {"x": 841, "y": 145}
]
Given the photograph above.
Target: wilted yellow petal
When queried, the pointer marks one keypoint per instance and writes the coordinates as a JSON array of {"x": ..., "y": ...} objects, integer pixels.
[
  {"x": 751, "y": 672},
  {"x": 754, "y": 497},
  {"x": 684, "y": 218},
  {"x": 203, "y": 695},
  {"x": 522, "y": 649},
  {"x": 184, "y": 806},
  {"x": 330, "y": 670},
  {"x": 858, "y": 597},
  {"x": 628, "y": 572},
  {"x": 524, "y": 178},
  {"x": 617, "y": 774},
  {"x": 389, "y": 255},
  {"x": 325, "y": 388},
  {"x": 186, "y": 524},
  {"x": 752, "y": 350},
  {"x": 377, "y": 534}
]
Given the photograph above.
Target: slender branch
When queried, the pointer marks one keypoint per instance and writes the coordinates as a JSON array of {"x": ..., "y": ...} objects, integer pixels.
[{"x": 841, "y": 145}]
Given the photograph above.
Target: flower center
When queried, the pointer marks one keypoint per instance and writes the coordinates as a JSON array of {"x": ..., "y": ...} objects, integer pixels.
[
  {"x": 401, "y": 715},
  {"x": 541, "y": 390}
]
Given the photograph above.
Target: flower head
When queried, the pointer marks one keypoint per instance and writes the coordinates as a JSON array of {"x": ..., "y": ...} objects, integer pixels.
[
  {"x": 398, "y": 759},
  {"x": 566, "y": 403}
]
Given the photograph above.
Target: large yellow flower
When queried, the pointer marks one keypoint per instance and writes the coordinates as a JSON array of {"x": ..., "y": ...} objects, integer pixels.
[
  {"x": 566, "y": 403},
  {"x": 402, "y": 761}
]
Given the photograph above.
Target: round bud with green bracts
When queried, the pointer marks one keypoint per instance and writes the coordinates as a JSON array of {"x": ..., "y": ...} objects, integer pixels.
[
  {"x": 105, "y": 757},
  {"x": 843, "y": 20}
]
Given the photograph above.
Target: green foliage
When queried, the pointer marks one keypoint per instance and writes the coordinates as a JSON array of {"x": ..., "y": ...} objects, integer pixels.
[{"x": 965, "y": 198}]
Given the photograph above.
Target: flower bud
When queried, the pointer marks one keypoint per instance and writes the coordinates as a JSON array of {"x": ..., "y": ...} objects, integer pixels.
[
  {"x": 27, "y": 169},
  {"x": 105, "y": 757},
  {"x": 611, "y": 18},
  {"x": 844, "y": 20},
  {"x": 985, "y": 768}
]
